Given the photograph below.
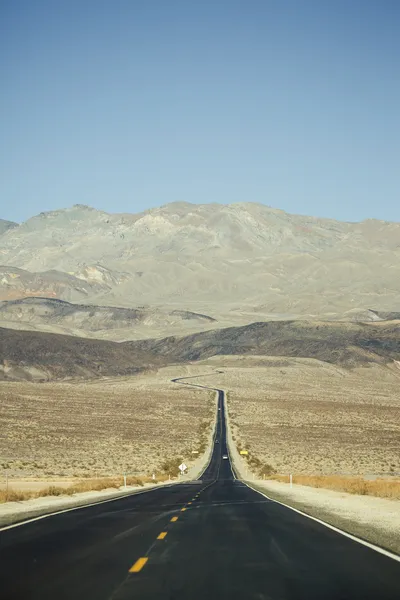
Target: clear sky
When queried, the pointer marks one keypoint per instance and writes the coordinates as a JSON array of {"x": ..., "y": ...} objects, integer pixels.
[{"x": 129, "y": 104}]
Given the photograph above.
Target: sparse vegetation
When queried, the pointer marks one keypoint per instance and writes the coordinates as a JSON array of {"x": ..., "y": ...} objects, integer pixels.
[
  {"x": 101, "y": 429},
  {"x": 316, "y": 418},
  {"x": 52, "y": 490},
  {"x": 14, "y": 496},
  {"x": 203, "y": 432},
  {"x": 170, "y": 466},
  {"x": 86, "y": 485}
]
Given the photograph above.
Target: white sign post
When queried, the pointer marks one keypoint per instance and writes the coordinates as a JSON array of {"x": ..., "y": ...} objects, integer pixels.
[{"x": 182, "y": 468}]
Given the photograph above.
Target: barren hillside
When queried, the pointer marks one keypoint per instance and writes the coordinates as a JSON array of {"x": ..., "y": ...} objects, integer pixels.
[
  {"x": 5, "y": 225},
  {"x": 28, "y": 355},
  {"x": 347, "y": 344},
  {"x": 18, "y": 283},
  {"x": 43, "y": 356},
  {"x": 215, "y": 259},
  {"x": 104, "y": 322}
]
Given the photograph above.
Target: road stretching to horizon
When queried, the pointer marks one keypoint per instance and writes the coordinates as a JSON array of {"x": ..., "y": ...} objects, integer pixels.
[{"x": 213, "y": 538}]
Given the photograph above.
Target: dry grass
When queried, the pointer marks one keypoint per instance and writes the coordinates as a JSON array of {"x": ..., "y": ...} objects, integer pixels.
[
  {"x": 382, "y": 488},
  {"x": 305, "y": 416},
  {"x": 86, "y": 485},
  {"x": 105, "y": 428},
  {"x": 14, "y": 496},
  {"x": 52, "y": 490}
]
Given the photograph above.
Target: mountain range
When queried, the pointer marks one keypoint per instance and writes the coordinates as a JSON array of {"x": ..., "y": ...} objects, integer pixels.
[{"x": 235, "y": 263}]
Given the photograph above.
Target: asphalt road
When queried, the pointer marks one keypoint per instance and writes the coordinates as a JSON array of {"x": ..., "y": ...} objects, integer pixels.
[{"x": 213, "y": 538}]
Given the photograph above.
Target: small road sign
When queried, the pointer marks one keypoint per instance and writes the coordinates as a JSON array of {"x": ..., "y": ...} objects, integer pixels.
[
  {"x": 244, "y": 452},
  {"x": 182, "y": 467}
]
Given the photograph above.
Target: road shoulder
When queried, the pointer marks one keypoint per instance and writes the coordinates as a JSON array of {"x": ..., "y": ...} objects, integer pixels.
[{"x": 375, "y": 520}]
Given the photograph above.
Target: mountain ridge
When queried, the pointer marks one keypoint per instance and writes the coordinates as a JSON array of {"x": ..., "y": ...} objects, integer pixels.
[
  {"x": 214, "y": 257},
  {"x": 43, "y": 356},
  {"x": 6, "y": 225},
  {"x": 101, "y": 322}
]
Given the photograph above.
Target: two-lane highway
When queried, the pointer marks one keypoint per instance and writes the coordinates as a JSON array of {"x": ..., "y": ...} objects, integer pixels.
[{"x": 213, "y": 538}]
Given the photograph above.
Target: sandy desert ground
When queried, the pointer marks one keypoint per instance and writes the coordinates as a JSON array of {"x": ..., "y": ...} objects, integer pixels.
[
  {"x": 297, "y": 415},
  {"x": 136, "y": 425},
  {"x": 311, "y": 417}
]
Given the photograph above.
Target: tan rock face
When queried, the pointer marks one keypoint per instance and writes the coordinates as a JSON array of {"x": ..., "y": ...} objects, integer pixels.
[{"x": 239, "y": 262}]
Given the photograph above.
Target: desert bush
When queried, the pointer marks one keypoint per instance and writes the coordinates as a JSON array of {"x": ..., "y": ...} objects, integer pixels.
[
  {"x": 130, "y": 480},
  {"x": 202, "y": 447},
  {"x": 53, "y": 490},
  {"x": 86, "y": 485},
  {"x": 14, "y": 496},
  {"x": 171, "y": 465},
  {"x": 266, "y": 470},
  {"x": 89, "y": 485}
]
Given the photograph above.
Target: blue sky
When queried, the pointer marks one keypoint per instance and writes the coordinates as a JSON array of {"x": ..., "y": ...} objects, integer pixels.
[{"x": 129, "y": 104}]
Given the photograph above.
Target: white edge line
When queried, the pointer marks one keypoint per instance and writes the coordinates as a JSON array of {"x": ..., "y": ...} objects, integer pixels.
[
  {"x": 65, "y": 510},
  {"x": 348, "y": 535},
  {"x": 332, "y": 527},
  {"x": 387, "y": 553}
]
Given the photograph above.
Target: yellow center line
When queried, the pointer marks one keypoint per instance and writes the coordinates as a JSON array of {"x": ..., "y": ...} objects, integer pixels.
[
  {"x": 162, "y": 535},
  {"x": 189, "y": 503},
  {"x": 139, "y": 564},
  {"x": 183, "y": 509},
  {"x": 174, "y": 519}
]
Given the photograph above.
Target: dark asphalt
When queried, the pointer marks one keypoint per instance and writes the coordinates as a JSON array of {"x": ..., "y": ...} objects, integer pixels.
[{"x": 231, "y": 543}]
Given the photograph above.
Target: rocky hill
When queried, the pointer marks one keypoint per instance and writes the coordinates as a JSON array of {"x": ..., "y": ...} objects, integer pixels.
[
  {"x": 5, "y": 225},
  {"x": 19, "y": 283},
  {"x": 42, "y": 356},
  {"x": 213, "y": 258},
  {"x": 39, "y": 356},
  {"x": 97, "y": 321},
  {"x": 345, "y": 344}
]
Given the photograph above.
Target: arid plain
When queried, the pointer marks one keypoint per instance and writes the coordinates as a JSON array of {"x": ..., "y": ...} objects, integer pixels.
[
  {"x": 135, "y": 425},
  {"x": 306, "y": 416},
  {"x": 300, "y": 313}
]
